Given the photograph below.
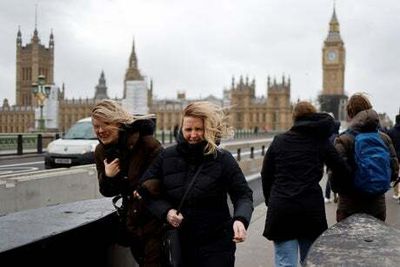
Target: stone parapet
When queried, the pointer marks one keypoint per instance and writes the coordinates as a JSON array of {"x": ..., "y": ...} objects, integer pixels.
[{"x": 359, "y": 240}]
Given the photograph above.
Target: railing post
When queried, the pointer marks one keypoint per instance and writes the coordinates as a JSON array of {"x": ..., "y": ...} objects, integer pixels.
[
  {"x": 19, "y": 145},
  {"x": 238, "y": 155},
  {"x": 170, "y": 137},
  {"x": 252, "y": 152},
  {"x": 39, "y": 144},
  {"x": 162, "y": 137},
  {"x": 262, "y": 150}
]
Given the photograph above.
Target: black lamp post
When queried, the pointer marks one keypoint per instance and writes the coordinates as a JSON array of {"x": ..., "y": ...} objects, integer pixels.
[{"x": 41, "y": 92}]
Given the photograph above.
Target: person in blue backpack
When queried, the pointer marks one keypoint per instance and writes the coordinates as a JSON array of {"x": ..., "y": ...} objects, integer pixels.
[{"x": 372, "y": 157}]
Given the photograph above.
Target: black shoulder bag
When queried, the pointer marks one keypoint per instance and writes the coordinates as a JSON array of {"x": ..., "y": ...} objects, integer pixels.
[
  {"x": 122, "y": 235},
  {"x": 171, "y": 246}
]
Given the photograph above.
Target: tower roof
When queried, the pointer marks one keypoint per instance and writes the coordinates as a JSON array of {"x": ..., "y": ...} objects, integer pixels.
[
  {"x": 334, "y": 29},
  {"x": 35, "y": 37},
  {"x": 101, "y": 88},
  {"x": 133, "y": 73}
]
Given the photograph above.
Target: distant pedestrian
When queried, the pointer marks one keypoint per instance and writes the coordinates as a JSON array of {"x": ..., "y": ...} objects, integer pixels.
[
  {"x": 394, "y": 134},
  {"x": 176, "y": 132},
  {"x": 292, "y": 169},
  {"x": 354, "y": 198}
]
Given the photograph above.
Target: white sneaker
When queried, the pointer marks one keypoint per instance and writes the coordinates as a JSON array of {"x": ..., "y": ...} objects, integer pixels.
[
  {"x": 327, "y": 200},
  {"x": 396, "y": 196}
]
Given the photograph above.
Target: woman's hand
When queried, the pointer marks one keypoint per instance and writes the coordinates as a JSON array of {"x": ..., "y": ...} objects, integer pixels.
[
  {"x": 239, "y": 232},
  {"x": 136, "y": 195},
  {"x": 174, "y": 218},
  {"x": 112, "y": 168}
]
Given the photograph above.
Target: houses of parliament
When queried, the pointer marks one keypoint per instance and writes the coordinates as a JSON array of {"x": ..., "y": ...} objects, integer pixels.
[{"x": 246, "y": 111}]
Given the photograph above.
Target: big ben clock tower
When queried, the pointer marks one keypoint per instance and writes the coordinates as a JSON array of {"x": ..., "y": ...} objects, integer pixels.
[{"x": 333, "y": 98}]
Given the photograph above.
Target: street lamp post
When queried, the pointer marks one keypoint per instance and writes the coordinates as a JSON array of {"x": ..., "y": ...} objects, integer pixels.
[{"x": 41, "y": 92}]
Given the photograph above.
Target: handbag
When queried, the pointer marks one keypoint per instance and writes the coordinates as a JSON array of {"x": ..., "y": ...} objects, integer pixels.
[
  {"x": 122, "y": 235},
  {"x": 171, "y": 246}
]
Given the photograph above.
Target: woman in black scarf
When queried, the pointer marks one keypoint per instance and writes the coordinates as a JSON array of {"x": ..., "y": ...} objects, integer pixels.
[{"x": 208, "y": 232}]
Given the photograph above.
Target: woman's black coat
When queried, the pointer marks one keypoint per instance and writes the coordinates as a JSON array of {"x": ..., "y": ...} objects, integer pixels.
[
  {"x": 292, "y": 170},
  {"x": 205, "y": 211}
]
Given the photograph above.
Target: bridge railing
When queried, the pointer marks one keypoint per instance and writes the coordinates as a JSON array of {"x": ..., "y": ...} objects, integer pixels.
[{"x": 23, "y": 143}]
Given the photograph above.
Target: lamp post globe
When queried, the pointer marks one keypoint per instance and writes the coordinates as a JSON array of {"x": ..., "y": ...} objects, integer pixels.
[{"x": 41, "y": 92}]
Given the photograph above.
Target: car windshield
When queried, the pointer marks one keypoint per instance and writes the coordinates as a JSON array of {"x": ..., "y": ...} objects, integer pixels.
[{"x": 81, "y": 130}]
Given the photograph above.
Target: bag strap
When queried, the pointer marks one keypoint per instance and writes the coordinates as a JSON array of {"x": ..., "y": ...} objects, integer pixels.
[
  {"x": 189, "y": 187},
  {"x": 115, "y": 199}
]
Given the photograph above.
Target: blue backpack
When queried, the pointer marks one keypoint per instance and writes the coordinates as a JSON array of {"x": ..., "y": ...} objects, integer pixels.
[{"x": 372, "y": 158}]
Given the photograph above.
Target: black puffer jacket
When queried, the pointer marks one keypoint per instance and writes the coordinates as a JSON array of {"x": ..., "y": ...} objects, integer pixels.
[
  {"x": 206, "y": 213},
  {"x": 292, "y": 170}
]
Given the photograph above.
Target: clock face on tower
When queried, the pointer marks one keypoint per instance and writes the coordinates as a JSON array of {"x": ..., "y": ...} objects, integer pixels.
[{"x": 332, "y": 55}]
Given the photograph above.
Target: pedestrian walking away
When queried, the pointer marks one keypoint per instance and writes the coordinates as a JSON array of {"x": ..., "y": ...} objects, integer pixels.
[
  {"x": 365, "y": 191},
  {"x": 292, "y": 169}
]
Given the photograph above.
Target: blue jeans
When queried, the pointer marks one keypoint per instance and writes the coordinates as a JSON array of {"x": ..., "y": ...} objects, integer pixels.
[{"x": 286, "y": 252}]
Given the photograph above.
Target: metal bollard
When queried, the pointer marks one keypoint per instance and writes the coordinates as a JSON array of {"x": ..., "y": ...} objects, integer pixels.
[
  {"x": 170, "y": 137},
  {"x": 19, "y": 145},
  {"x": 262, "y": 150},
  {"x": 163, "y": 137},
  {"x": 238, "y": 155},
  {"x": 39, "y": 144},
  {"x": 252, "y": 152}
]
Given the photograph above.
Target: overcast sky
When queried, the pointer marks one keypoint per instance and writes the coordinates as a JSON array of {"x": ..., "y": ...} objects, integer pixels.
[{"x": 197, "y": 46}]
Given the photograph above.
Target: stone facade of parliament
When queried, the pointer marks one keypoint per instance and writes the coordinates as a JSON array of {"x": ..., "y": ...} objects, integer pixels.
[
  {"x": 33, "y": 59},
  {"x": 246, "y": 111}
]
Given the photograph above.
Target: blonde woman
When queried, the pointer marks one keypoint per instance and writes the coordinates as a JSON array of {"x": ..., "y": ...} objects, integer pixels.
[
  {"x": 208, "y": 232},
  {"x": 126, "y": 149}
]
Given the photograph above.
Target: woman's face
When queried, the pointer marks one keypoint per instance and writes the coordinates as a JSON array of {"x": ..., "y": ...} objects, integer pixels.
[
  {"x": 106, "y": 132},
  {"x": 193, "y": 129}
]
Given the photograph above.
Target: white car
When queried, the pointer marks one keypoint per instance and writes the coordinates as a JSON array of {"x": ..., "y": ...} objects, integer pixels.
[{"x": 75, "y": 148}]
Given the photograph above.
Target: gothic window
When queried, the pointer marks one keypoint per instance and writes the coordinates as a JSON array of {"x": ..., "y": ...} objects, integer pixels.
[{"x": 276, "y": 101}]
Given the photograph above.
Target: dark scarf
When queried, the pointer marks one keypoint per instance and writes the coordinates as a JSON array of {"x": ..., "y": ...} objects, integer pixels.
[{"x": 192, "y": 153}]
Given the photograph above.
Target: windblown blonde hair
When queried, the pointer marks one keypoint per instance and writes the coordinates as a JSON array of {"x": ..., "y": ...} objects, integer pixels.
[
  {"x": 215, "y": 122},
  {"x": 109, "y": 111}
]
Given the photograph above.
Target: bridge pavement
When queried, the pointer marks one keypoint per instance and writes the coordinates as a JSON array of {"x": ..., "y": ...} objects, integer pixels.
[{"x": 257, "y": 251}]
